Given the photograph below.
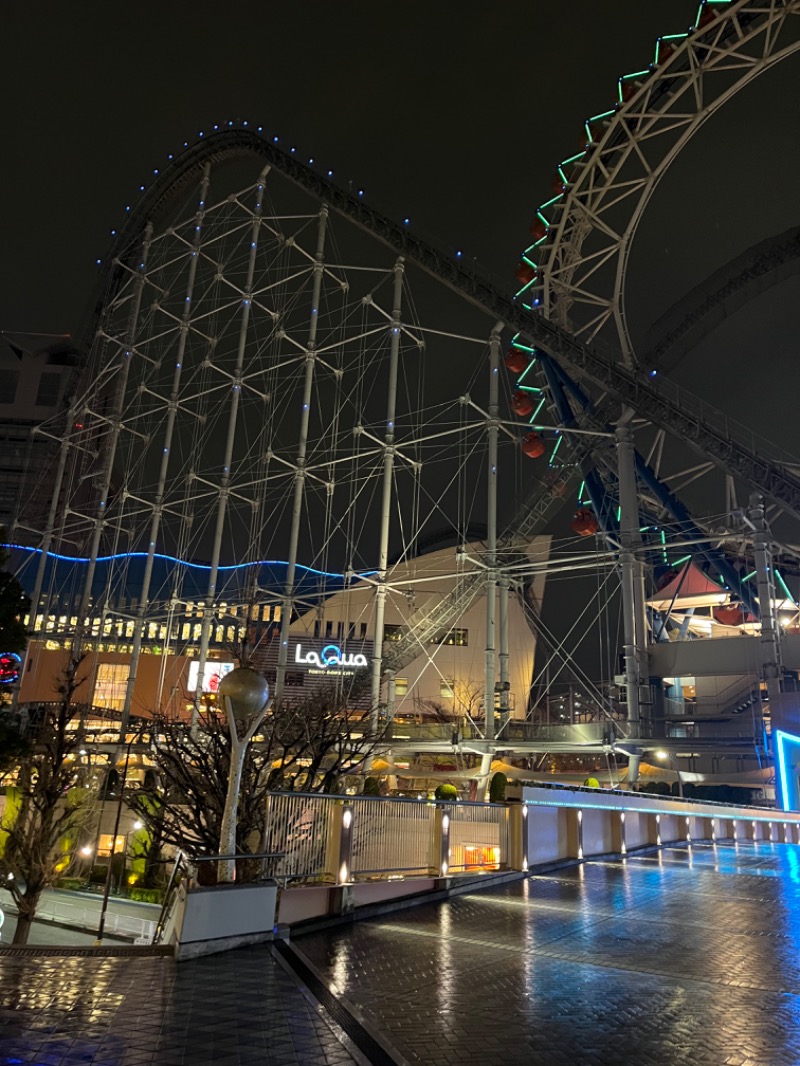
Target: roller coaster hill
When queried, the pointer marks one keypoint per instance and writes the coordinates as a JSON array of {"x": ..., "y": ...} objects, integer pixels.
[{"x": 254, "y": 442}]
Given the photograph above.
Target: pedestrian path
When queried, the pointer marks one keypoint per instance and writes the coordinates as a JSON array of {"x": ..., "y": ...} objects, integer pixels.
[
  {"x": 230, "y": 1010},
  {"x": 684, "y": 957}
]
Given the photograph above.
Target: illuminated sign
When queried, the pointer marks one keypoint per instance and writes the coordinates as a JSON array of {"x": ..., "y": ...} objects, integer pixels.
[
  {"x": 213, "y": 673},
  {"x": 10, "y": 664},
  {"x": 330, "y": 660}
]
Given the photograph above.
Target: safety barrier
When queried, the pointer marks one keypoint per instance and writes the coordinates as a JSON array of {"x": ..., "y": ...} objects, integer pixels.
[
  {"x": 77, "y": 915},
  {"x": 336, "y": 840}
]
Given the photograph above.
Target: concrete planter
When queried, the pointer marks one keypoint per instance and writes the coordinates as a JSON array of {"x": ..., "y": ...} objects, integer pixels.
[{"x": 206, "y": 921}]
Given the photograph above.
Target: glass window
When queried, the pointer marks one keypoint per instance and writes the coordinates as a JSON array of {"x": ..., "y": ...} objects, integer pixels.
[
  {"x": 393, "y": 633},
  {"x": 47, "y": 393},
  {"x": 446, "y": 688},
  {"x": 110, "y": 684},
  {"x": 8, "y": 385},
  {"x": 401, "y": 686},
  {"x": 458, "y": 638}
]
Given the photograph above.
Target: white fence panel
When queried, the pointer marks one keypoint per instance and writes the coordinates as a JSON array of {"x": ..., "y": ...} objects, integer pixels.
[{"x": 393, "y": 837}]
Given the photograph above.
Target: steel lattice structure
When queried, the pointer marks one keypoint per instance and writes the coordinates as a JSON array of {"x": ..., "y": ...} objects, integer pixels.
[{"x": 234, "y": 306}]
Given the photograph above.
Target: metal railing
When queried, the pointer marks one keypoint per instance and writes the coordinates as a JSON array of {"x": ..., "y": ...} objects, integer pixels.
[
  {"x": 296, "y": 824},
  {"x": 78, "y": 916},
  {"x": 377, "y": 836},
  {"x": 390, "y": 837}
]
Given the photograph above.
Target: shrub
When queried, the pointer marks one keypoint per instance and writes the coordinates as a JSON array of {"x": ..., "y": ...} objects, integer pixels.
[
  {"x": 497, "y": 788},
  {"x": 146, "y": 895},
  {"x": 71, "y": 884},
  {"x": 446, "y": 792}
]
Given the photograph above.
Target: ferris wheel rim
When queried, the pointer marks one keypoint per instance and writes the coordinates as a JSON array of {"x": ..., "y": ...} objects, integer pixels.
[{"x": 562, "y": 214}]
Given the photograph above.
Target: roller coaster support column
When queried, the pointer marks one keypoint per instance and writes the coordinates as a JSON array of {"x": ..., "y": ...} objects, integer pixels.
[
  {"x": 492, "y": 430},
  {"x": 302, "y": 447},
  {"x": 388, "y": 478},
  {"x": 632, "y": 580},
  {"x": 770, "y": 631}
]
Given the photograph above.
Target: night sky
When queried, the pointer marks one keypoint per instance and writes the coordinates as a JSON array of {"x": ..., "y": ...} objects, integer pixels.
[
  {"x": 452, "y": 114},
  {"x": 443, "y": 112}
]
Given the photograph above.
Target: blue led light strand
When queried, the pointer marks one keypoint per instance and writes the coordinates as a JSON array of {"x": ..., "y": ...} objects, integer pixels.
[{"x": 183, "y": 562}]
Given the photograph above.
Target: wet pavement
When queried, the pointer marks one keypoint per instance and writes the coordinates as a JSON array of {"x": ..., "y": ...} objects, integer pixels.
[
  {"x": 690, "y": 957},
  {"x": 239, "y": 1008}
]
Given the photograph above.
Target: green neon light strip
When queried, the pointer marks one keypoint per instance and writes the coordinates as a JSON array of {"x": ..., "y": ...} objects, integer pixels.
[
  {"x": 580, "y": 491},
  {"x": 685, "y": 559},
  {"x": 525, "y": 372},
  {"x": 783, "y": 585},
  {"x": 522, "y": 347},
  {"x": 747, "y": 578},
  {"x": 535, "y": 414},
  {"x": 619, "y": 513},
  {"x": 604, "y": 114},
  {"x": 627, "y": 77},
  {"x": 664, "y": 546},
  {"x": 558, "y": 445},
  {"x": 527, "y": 388},
  {"x": 572, "y": 159},
  {"x": 550, "y": 202}
]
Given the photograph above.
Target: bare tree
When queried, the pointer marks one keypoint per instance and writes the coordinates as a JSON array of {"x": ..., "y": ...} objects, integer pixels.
[
  {"x": 53, "y": 803},
  {"x": 304, "y": 745}
]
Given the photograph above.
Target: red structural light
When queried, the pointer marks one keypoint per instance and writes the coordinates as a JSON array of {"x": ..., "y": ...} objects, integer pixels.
[
  {"x": 533, "y": 446},
  {"x": 708, "y": 15},
  {"x": 584, "y": 523},
  {"x": 665, "y": 50},
  {"x": 558, "y": 186},
  {"x": 538, "y": 229},
  {"x": 524, "y": 273},
  {"x": 628, "y": 91},
  {"x": 728, "y": 615},
  {"x": 521, "y": 403},
  {"x": 515, "y": 360}
]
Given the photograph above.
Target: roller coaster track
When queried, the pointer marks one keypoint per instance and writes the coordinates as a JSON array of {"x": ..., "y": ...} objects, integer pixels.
[
  {"x": 676, "y": 411},
  {"x": 690, "y": 320}
]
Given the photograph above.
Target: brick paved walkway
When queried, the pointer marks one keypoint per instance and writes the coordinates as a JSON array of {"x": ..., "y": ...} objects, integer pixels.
[
  {"x": 687, "y": 959},
  {"x": 690, "y": 958},
  {"x": 233, "y": 1010}
]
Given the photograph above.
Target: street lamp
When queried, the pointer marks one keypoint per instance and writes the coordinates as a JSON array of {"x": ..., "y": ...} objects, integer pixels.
[
  {"x": 245, "y": 696},
  {"x": 673, "y": 762}
]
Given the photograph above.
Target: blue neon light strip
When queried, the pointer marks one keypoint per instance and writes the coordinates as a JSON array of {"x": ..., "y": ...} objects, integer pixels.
[
  {"x": 781, "y": 739},
  {"x": 181, "y": 562}
]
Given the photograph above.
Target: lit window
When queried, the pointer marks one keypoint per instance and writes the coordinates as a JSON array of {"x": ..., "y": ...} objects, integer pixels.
[
  {"x": 458, "y": 638},
  {"x": 110, "y": 685},
  {"x": 446, "y": 688},
  {"x": 392, "y": 634},
  {"x": 401, "y": 686}
]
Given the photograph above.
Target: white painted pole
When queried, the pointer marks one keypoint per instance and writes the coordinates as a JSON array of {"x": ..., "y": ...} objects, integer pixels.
[
  {"x": 300, "y": 462},
  {"x": 225, "y": 478},
  {"x": 166, "y": 451},
  {"x": 386, "y": 501}
]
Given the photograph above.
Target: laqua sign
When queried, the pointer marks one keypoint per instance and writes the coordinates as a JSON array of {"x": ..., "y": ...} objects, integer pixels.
[{"x": 331, "y": 660}]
